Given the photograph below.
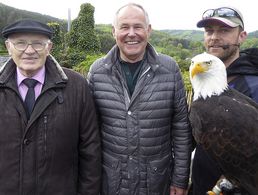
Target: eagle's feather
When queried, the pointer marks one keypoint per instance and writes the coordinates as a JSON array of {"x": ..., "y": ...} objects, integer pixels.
[{"x": 224, "y": 122}]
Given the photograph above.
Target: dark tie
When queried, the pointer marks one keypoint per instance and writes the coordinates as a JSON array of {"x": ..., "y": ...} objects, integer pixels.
[{"x": 30, "y": 96}]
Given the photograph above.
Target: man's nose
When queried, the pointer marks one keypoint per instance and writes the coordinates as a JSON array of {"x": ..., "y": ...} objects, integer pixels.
[
  {"x": 29, "y": 49},
  {"x": 131, "y": 31},
  {"x": 215, "y": 35}
]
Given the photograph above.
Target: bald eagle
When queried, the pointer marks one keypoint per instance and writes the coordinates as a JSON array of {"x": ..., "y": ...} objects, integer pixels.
[{"x": 224, "y": 122}]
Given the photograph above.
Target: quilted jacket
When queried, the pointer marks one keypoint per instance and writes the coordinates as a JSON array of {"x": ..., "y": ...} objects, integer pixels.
[{"x": 146, "y": 137}]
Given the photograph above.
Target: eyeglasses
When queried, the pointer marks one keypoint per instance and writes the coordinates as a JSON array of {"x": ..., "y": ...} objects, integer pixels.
[
  {"x": 23, "y": 45},
  {"x": 221, "y": 12}
]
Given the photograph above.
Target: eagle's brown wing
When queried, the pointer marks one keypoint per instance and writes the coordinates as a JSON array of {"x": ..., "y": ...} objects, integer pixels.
[{"x": 227, "y": 128}]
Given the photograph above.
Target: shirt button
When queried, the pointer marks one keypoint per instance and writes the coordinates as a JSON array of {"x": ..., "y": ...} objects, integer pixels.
[
  {"x": 26, "y": 142},
  {"x": 129, "y": 112}
]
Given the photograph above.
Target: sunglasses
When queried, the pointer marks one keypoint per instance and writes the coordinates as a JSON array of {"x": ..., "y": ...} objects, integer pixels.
[{"x": 221, "y": 12}]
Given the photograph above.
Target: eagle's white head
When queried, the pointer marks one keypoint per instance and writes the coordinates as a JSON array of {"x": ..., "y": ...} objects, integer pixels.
[{"x": 208, "y": 76}]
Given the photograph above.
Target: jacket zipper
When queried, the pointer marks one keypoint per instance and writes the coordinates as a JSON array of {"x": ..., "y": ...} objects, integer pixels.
[
  {"x": 145, "y": 72},
  {"x": 45, "y": 136}
]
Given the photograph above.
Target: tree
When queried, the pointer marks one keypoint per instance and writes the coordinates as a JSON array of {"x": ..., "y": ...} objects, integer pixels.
[
  {"x": 82, "y": 36},
  {"x": 58, "y": 40}
]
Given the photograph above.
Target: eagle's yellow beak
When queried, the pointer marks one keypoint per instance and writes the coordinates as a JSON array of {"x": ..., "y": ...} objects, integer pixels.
[{"x": 198, "y": 68}]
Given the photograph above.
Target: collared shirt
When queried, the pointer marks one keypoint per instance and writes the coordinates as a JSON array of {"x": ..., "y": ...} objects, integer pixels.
[{"x": 40, "y": 77}]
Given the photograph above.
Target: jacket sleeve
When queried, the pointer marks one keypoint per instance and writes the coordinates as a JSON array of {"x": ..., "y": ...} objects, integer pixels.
[
  {"x": 181, "y": 135},
  {"x": 89, "y": 149}
]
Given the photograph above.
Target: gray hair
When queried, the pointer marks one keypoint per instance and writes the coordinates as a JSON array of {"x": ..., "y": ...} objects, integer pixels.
[{"x": 132, "y": 5}]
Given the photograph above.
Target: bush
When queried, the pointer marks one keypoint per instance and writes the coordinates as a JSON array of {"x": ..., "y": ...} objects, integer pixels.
[
  {"x": 187, "y": 81},
  {"x": 84, "y": 66},
  {"x": 72, "y": 57}
]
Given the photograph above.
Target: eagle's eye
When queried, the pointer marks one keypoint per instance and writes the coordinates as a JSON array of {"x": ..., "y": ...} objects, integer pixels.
[{"x": 208, "y": 63}]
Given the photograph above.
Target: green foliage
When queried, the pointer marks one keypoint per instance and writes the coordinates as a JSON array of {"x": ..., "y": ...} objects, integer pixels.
[
  {"x": 71, "y": 57},
  {"x": 188, "y": 87},
  {"x": 186, "y": 79},
  {"x": 196, "y": 35},
  {"x": 106, "y": 42},
  {"x": 82, "y": 35},
  {"x": 82, "y": 40},
  {"x": 58, "y": 41},
  {"x": 183, "y": 63},
  {"x": 84, "y": 66},
  {"x": 104, "y": 33},
  {"x": 251, "y": 42},
  {"x": 2, "y": 44},
  {"x": 158, "y": 37},
  {"x": 181, "y": 50},
  {"x": 3, "y": 53},
  {"x": 103, "y": 28}
]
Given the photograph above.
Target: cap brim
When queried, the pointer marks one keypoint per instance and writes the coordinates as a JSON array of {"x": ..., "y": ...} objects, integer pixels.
[{"x": 224, "y": 21}]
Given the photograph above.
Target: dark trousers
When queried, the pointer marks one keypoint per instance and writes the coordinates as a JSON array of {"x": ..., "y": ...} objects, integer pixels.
[{"x": 205, "y": 172}]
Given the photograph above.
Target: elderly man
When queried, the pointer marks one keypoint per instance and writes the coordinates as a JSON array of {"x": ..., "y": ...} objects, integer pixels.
[{"x": 49, "y": 138}]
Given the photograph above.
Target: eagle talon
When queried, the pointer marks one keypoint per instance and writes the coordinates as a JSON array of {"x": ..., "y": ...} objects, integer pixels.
[
  {"x": 212, "y": 193},
  {"x": 215, "y": 191}
]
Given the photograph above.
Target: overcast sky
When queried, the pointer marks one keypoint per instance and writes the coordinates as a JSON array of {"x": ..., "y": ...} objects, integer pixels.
[{"x": 164, "y": 14}]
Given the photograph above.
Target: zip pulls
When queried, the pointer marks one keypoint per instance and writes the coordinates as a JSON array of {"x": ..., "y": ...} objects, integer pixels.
[{"x": 145, "y": 72}]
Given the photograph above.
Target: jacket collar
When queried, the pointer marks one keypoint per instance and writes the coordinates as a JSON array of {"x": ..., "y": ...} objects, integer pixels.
[
  {"x": 53, "y": 71},
  {"x": 246, "y": 64}
]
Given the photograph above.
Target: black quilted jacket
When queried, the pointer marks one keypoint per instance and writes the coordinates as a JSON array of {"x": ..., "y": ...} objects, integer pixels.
[{"x": 146, "y": 138}]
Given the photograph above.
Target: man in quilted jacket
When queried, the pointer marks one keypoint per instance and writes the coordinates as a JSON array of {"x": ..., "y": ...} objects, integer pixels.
[{"x": 140, "y": 99}]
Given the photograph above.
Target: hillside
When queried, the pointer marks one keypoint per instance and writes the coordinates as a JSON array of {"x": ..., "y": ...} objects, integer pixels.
[
  {"x": 195, "y": 35},
  {"x": 166, "y": 41},
  {"x": 9, "y": 14},
  {"x": 253, "y": 34}
]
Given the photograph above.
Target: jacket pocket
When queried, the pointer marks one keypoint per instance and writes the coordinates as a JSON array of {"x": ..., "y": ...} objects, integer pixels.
[
  {"x": 159, "y": 176},
  {"x": 111, "y": 175}
]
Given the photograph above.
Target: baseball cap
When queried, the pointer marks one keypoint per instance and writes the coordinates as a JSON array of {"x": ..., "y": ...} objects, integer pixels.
[
  {"x": 229, "y": 16},
  {"x": 27, "y": 26}
]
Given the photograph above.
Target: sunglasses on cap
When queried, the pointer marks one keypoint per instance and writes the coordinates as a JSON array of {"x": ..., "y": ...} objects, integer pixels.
[{"x": 223, "y": 12}]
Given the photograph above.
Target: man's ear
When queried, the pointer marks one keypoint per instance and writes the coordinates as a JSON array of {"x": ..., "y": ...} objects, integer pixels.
[
  {"x": 49, "y": 46},
  {"x": 7, "y": 45},
  {"x": 113, "y": 31},
  {"x": 149, "y": 30},
  {"x": 242, "y": 36}
]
